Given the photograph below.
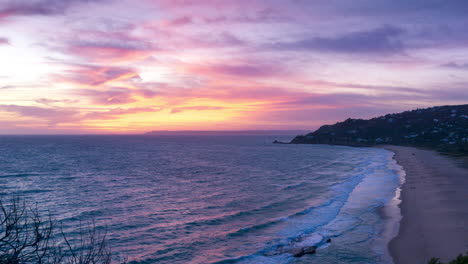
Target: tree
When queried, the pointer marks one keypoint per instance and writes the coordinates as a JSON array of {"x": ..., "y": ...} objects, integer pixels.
[{"x": 26, "y": 237}]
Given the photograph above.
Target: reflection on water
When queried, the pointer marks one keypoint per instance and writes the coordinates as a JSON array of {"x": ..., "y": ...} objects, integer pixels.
[{"x": 207, "y": 199}]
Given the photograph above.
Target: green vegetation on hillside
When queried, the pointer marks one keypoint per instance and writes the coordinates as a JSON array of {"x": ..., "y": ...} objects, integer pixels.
[{"x": 444, "y": 128}]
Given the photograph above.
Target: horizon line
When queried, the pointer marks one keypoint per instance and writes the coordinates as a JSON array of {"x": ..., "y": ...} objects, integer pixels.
[{"x": 167, "y": 132}]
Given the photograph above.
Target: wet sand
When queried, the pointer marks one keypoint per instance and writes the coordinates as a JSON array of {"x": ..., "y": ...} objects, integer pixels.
[{"x": 434, "y": 207}]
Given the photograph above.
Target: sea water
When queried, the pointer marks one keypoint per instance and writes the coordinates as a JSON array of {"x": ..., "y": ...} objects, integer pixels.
[{"x": 212, "y": 199}]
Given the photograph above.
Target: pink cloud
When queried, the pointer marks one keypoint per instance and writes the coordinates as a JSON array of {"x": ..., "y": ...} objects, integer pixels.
[
  {"x": 116, "y": 95},
  {"x": 47, "y": 101},
  {"x": 109, "y": 46},
  {"x": 51, "y": 115},
  {"x": 241, "y": 69},
  {"x": 216, "y": 4},
  {"x": 195, "y": 108},
  {"x": 4, "y": 41},
  {"x": 116, "y": 113},
  {"x": 180, "y": 21},
  {"x": 234, "y": 55},
  {"x": 93, "y": 75},
  {"x": 59, "y": 115},
  {"x": 101, "y": 51},
  {"x": 233, "y": 94}
]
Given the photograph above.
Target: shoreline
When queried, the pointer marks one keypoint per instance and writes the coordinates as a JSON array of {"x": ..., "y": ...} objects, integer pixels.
[
  {"x": 390, "y": 213},
  {"x": 433, "y": 207}
]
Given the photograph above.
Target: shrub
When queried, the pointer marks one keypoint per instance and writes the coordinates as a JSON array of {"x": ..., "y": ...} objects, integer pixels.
[
  {"x": 461, "y": 259},
  {"x": 26, "y": 237}
]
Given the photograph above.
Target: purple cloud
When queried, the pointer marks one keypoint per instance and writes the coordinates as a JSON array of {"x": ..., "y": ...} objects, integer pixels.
[
  {"x": 454, "y": 65},
  {"x": 38, "y": 7},
  {"x": 222, "y": 40},
  {"x": 52, "y": 115},
  {"x": 93, "y": 75},
  {"x": 380, "y": 40},
  {"x": 110, "y": 49},
  {"x": 247, "y": 70},
  {"x": 4, "y": 41},
  {"x": 180, "y": 21},
  {"x": 267, "y": 15}
]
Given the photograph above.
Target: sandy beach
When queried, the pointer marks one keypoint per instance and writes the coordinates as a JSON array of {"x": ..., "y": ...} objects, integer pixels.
[{"x": 434, "y": 207}]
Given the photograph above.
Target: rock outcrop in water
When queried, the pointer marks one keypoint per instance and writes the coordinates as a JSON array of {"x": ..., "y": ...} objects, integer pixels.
[
  {"x": 300, "y": 246},
  {"x": 444, "y": 128}
]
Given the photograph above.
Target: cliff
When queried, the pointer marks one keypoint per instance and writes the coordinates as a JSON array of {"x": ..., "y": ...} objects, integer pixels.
[{"x": 444, "y": 128}]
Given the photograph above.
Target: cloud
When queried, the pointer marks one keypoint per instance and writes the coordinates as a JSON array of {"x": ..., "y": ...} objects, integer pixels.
[
  {"x": 46, "y": 101},
  {"x": 115, "y": 45},
  {"x": 5, "y": 87},
  {"x": 180, "y": 21},
  {"x": 313, "y": 118},
  {"x": 249, "y": 69},
  {"x": 116, "y": 95},
  {"x": 219, "y": 40},
  {"x": 388, "y": 99},
  {"x": 281, "y": 96},
  {"x": 38, "y": 7},
  {"x": 4, "y": 41},
  {"x": 229, "y": 94},
  {"x": 373, "y": 8},
  {"x": 109, "y": 50},
  {"x": 228, "y": 57},
  {"x": 115, "y": 113},
  {"x": 52, "y": 115},
  {"x": 93, "y": 75},
  {"x": 266, "y": 15},
  {"x": 57, "y": 115},
  {"x": 383, "y": 40},
  {"x": 216, "y": 5},
  {"x": 195, "y": 108},
  {"x": 22, "y": 8},
  {"x": 454, "y": 65},
  {"x": 369, "y": 87}
]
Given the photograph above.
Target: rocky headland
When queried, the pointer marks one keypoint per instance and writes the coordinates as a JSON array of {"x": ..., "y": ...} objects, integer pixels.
[{"x": 443, "y": 128}]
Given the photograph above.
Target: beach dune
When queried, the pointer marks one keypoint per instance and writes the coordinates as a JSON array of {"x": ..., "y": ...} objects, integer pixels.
[{"x": 434, "y": 207}]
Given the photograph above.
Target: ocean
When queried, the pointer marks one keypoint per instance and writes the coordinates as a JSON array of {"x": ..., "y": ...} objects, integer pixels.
[{"x": 212, "y": 199}]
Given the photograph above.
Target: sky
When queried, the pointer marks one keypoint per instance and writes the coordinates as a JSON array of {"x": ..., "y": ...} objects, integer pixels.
[{"x": 131, "y": 66}]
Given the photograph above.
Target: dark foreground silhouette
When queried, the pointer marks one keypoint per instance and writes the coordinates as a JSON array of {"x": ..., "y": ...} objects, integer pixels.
[
  {"x": 27, "y": 237},
  {"x": 444, "y": 128}
]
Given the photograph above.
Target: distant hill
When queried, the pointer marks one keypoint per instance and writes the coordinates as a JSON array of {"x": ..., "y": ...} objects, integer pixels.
[
  {"x": 227, "y": 133},
  {"x": 444, "y": 128}
]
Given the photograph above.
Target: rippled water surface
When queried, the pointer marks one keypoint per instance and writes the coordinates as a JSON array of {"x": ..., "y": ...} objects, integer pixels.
[{"x": 210, "y": 199}]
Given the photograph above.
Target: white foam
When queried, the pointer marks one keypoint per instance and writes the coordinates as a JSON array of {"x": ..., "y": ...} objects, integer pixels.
[{"x": 393, "y": 212}]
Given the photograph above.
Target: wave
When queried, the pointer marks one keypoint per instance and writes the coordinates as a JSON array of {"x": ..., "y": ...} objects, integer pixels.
[
  {"x": 20, "y": 175},
  {"x": 36, "y": 191},
  {"x": 223, "y": 218},
  {"x": 315, "y": 232},
  {"x": 294, "y": 186}
]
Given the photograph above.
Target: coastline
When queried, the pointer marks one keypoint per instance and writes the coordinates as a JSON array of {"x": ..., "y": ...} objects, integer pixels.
[
  {"x": 390, "y": 213},
  {"x": 433, "y": 207}
]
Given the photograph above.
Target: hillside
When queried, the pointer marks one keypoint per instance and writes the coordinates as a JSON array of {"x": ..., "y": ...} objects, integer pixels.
[{"x": 444, "y": 128}]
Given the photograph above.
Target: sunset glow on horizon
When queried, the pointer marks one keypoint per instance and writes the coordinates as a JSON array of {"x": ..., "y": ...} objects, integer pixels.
[{"x": 109, "y": 66}]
